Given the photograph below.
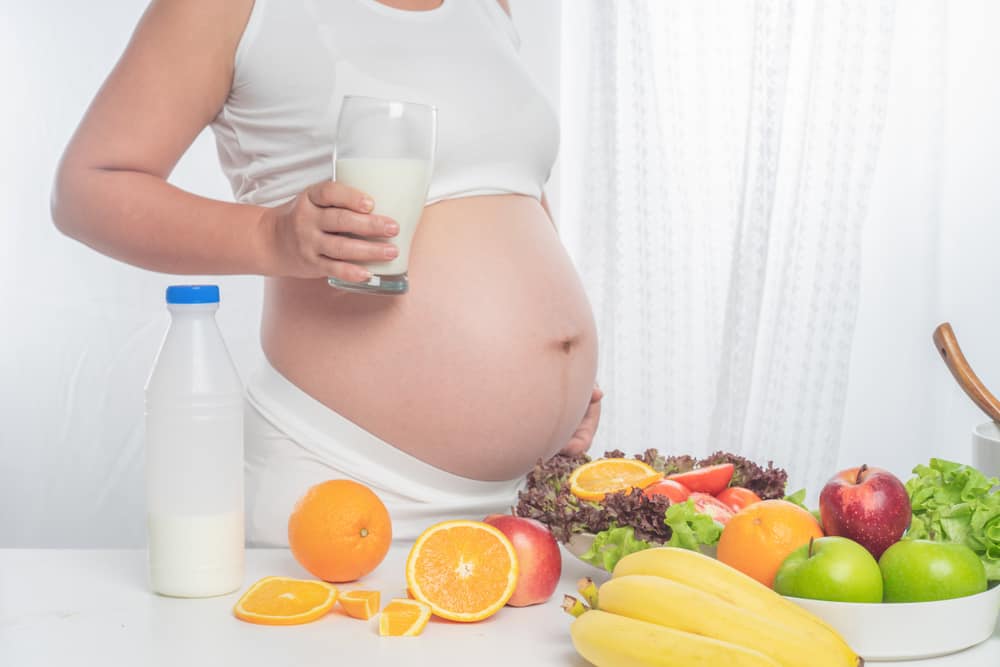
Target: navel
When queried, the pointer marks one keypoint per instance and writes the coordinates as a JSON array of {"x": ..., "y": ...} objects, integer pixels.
[{"x": 567, "y": 343}]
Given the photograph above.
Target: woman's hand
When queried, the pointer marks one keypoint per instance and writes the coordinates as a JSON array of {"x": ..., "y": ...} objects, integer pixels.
[
  {"x": 583, "y": 437},
  {"x": 315, "y": 234}
]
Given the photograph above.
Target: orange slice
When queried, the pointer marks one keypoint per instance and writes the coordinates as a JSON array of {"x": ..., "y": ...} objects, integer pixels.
[
  {"x": 594, "y": 480},
  {"x": 403, "y": 618},
  {"x": 285, "y": 601},
  {"x": 360, "y": 604},
  {"x": 465, "y": 570}
]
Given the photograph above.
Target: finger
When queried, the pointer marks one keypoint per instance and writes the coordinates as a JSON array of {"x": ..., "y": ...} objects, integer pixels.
[
  {"x": 593, "y": 413},
  {"x": 328, "y": 194},
  {"x": 344, "y": 221},
  {"x": 345, "y": 271},
  {"x": 597, "y": 394},
  {"x": 577, "y": 445},
  {"x": 583, "y": 437},
  {"x": 573, "y": 448},
  {"x": 345, "y": 248}
]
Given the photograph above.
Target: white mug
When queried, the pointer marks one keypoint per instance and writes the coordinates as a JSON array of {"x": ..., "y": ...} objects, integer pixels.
[{"x": 986, "y": 448}]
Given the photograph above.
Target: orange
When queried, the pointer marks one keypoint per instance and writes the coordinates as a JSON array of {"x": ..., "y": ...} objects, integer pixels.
[
  {"x": 758, "y": 539},
  {"x": 284, "y": 601},
  {"x": 360, "y": 604},
  {"x": 464, "y": 570},
  {"x": 403, "y": 618},
  {"x": 339, "y": 530},
  {"x": 594, "y": 480}
]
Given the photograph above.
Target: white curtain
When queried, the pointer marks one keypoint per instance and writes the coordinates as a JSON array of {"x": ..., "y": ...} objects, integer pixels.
[{"x": 717, "y": 161}]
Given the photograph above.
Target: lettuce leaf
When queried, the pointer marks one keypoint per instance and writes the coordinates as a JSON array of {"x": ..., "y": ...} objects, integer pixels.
[
  {"x": 799, "y": 498},
  {"x": 611, "y": 545},
  {"x": 690, "y": 529},
  {"x": 952, "y": 502}
]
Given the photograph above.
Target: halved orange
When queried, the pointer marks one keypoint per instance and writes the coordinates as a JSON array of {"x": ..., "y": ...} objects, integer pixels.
[
  {"x": 360, "y": 604},
  {"x": 285, "y": 601},
  {"x": 464, "y": 570},
  {"x": 594, "y": 480},
  {"x": 403, "y": 618}
]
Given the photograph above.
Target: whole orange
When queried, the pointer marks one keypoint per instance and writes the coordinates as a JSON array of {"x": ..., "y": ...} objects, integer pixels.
[
  {"x": 339, "y": 530},
  {"x": 758, "y": 539}
]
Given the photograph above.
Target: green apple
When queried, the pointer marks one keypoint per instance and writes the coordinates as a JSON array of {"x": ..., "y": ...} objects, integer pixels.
[
  {"x": 924, "y": 570},
  {"x": 830, "y": 568}
]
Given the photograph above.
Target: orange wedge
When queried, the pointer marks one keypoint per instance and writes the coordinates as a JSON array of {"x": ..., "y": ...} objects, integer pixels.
[
  {"x": 464, "y": 570},
  {"x": 360, "y": 604},
  {"x": 285, "y": 601},
  {"x": 594, "y": 480},
  {"x": 403, "y": 618}
]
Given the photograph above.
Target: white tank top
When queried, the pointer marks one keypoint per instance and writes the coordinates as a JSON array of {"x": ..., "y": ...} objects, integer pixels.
[{"x": 297, "y": 59}]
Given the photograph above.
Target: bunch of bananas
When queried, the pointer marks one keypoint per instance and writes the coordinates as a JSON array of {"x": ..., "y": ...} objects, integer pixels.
[{"x": 669, "y": 606}]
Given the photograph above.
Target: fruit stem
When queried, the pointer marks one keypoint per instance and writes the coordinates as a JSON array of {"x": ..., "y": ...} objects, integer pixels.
[
  {"x": 572, "y": 606},
  {"x": 861, "y": 471},
  {"x": 809, "y": 553},
  {"x": 364, "y": 532},
  {"x": 588, "y": 589}
]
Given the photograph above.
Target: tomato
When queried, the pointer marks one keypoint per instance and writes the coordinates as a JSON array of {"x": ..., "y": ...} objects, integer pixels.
[
  {"x": 737, "y": 497},
  {"x": 710, "y": 479},
  {"x": 711, "y": 506},
  {"x": 670, "y": 488}
]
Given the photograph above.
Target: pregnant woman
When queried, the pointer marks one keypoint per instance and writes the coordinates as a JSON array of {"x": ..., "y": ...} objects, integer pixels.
[{"x": 440, "y": 399}]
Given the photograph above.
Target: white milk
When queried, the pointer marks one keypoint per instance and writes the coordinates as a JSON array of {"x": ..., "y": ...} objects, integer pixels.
[
  {"x": 195, "y": 556},
  {"x": 399, "y": 188}
]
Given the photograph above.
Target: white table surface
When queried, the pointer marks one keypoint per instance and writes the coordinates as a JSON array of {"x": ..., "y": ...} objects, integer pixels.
[{"x": 92, "y": 607}]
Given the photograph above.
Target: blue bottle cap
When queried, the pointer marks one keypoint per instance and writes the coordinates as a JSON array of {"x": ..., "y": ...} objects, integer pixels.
[{"x": 193, "y": 294}]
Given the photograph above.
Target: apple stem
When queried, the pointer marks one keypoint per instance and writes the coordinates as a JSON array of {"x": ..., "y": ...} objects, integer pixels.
[
  {"x": 809, "y": 554},
  {"x": 572, "y": 606},
  {"x": 861, "y": 471}
]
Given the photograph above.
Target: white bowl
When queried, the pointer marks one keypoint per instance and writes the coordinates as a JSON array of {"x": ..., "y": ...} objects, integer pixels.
[
  {"x": 986, "y": 448},
  {"x": 911, "y": 630}
]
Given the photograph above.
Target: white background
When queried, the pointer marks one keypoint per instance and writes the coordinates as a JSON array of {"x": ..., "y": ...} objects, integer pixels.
[{"x": 78, "y": 331}]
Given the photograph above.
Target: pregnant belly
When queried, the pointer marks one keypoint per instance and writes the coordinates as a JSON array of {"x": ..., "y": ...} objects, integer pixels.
[{"x": 486, "y": 365}]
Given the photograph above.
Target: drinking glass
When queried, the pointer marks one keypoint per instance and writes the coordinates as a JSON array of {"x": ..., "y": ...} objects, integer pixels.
[{"x": 385, "y": 148}]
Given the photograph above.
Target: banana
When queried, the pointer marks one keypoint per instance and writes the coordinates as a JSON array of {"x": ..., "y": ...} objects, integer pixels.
[
  {"x": 681, "y": 607},
  {"x": 712, "y": 576},
  {"x": 610, "y": 640}
]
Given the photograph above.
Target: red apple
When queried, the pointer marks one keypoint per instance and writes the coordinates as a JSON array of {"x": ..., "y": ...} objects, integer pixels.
[
  {"x": 537, "y": 555},
  {"x": 867, "y": 505}
]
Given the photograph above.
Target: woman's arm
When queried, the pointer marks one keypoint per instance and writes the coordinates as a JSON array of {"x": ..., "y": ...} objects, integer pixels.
[{"x": 111, "y": 190}]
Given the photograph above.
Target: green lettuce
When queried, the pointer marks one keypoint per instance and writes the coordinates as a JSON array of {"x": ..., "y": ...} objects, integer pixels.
[
  {"x": 611, "y": 545},
  {"x": 799, "y": 498},
  {"x": 690, "y": 529},
  {"x": 952, "y": 502}
]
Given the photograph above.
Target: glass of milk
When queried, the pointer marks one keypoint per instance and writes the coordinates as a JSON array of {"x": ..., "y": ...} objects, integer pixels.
[{"x": 385, "y": 148}]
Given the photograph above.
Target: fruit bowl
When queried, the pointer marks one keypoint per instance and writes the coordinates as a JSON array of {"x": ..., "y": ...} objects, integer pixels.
[{"x": 911, "y": 630}]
